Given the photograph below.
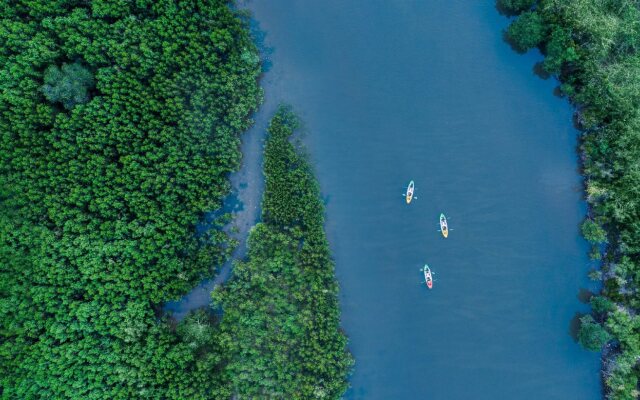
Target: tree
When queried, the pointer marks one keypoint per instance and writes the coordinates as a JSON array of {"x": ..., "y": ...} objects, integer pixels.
[
  {"x": 526, "y": 32},
  {"x": 514, "y": 7},
  {"x": 593, "y": 232},
  {"x": 592, "y": 336},
  {"x": 68, "y": 85},
  {"x": 601, "y": 305},
  {"x": 559, "y": 50}
]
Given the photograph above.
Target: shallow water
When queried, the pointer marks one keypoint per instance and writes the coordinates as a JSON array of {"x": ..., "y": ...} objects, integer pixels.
[{"x": 427, "y": 90}]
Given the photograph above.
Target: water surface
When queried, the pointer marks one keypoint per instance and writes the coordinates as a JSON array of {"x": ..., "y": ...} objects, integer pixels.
[{"x": 427, "y": 90}]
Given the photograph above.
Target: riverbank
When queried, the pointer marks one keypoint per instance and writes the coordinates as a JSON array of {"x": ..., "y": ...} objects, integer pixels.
[{"x": 592, "y": 48}]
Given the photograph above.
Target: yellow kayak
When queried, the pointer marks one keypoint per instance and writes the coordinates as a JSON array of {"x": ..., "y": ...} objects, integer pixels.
[
  {"x": 409, "y": 194},
  {"x": 444, "y": 228}
]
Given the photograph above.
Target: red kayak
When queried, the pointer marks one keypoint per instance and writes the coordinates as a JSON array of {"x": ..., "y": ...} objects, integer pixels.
[{"x": 427, "y": 276}]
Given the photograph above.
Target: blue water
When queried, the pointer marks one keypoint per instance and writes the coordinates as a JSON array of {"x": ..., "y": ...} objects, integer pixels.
[{"x": 427, "y": 90}]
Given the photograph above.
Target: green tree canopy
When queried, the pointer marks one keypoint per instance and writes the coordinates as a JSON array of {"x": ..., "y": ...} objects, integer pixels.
[
  {"x": 514, "y": 7},
  {"x": 592, "y": 336},
  {"x": 601, "y": 305},
  {"x": 281, "y": 314},
  {"x": 526, "y": 32},
  {"x": 102, "y": 202},
  {"x": 593, "y": 232},
  {"x": 68, "y": 85}
]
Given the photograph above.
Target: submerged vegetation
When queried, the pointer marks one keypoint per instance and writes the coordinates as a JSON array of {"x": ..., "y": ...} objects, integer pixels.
[
  {"x": 592, "y": 46},
  {"x": 281, "y": 315},
  {"x": 119, "y": 124}
]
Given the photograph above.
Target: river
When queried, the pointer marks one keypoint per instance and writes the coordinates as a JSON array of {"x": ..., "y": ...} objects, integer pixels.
[
  {"x": 392, "y": 91},
  {"x": 427, "y": 90}
]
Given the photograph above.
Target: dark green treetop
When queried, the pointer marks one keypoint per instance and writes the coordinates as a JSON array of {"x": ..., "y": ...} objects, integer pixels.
[{"x": 527, "y": 32}]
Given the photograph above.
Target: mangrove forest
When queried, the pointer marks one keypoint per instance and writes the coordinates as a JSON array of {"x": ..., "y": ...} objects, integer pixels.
[
  {"x": 122, "y": 191},
  {"x": 119, "y": 125}
]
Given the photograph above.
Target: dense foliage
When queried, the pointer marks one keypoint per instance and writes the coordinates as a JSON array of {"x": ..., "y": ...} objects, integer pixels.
[
  {"x": 281, "y": 316},
  {"x": 526, "y": 32},
  {"x": 592, "y": 46},
  {"x": 119, "y": 123},
  {"x": 69, "y": 85},
  {"x": 512, "y": 7},
  {"x": 592, "y": 335}
]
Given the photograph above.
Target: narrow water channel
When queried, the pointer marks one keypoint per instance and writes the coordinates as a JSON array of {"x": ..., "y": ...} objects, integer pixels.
[{"x": 427, "y": 90}]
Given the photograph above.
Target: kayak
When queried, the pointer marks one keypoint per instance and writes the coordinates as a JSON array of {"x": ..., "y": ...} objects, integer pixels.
[
  {"x": 409, "y": 194},
  {"x": 427, "y": 276},
  {"x": 444, "y": 228}
]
